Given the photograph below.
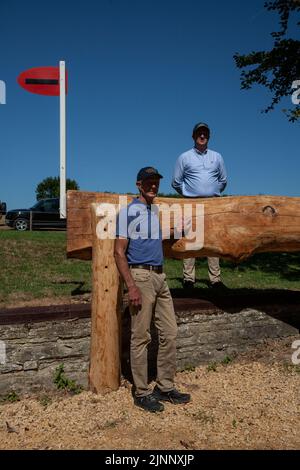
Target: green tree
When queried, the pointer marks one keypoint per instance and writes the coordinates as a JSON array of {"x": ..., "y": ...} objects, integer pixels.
[
  {"x": 278, "y": 68},
  {"x": 49, "y": 187}
]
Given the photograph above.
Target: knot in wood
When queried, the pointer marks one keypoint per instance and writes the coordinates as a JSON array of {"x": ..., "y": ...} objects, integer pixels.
[{"x": 269, "y": 210}]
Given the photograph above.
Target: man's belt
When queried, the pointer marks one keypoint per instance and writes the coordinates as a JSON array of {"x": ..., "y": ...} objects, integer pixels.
[{"x": 149, "y": 267}]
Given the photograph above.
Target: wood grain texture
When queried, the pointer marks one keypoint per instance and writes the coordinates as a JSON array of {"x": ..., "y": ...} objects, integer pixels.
[
  {"x": 104, "y": 373},
  {"x": 234, "y": 227}
]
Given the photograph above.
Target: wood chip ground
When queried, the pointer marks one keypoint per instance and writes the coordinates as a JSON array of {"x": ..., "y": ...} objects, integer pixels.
[{"x": 250, "y": 403}]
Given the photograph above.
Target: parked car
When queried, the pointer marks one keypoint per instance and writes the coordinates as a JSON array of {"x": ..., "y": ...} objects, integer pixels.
[
  {"x": 2, "y": 208},
  {"x": 44, "y": 214}
]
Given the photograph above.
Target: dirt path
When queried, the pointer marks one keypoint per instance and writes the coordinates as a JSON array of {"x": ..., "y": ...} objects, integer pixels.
[{"x": 250, "y": 403}]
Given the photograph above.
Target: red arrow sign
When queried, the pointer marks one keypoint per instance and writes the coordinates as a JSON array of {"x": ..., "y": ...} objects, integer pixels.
[{"x": 42, "y": 80}]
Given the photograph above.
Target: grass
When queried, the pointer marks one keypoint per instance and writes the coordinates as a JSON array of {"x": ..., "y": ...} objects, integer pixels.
[
  {"x": 64, "y": 383},
  {"x": 291, "y": 368},
  {"x": 261, "y": 271},
  {"x": 34, "y": 265},
  {"x": 202, "y": 416},
  {"x": 212, "y": 367},
  {"x": 226, "y": 360},
  {"x": 45, "y": 401},
  {"x": 11, "y": 397}
]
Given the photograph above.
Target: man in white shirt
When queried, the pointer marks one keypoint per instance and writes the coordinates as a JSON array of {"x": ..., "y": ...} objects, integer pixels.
[{"x": 200, "y": 172}]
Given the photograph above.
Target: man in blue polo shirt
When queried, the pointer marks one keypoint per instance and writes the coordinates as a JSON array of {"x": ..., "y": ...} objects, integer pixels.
[
  {"x": 200, "y": 172},
  {"x": 139, "y": 258}
]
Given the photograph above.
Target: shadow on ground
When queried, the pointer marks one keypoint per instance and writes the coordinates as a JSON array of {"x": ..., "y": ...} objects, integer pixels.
[{"x": 78, "y": 290}]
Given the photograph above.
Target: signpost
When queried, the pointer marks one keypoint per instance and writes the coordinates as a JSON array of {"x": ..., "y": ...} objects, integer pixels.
[
  {"x": 62, "y": 120},
  {"x": 52, "y": 81}
]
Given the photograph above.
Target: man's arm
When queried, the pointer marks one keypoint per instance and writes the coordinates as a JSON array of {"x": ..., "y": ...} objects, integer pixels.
[
  {"x": 222, "y": 174},
  {"x": 177, "y": 180},
  {"x": 134, "y": 293}
]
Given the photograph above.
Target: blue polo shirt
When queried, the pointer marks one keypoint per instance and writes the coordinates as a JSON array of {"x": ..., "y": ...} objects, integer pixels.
[
  {"x": 199, "y": 174},
  {"x": 139, "y": 223}
]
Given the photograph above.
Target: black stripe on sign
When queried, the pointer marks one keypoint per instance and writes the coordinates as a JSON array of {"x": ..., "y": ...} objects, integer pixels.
[{"x": 41, "y": 81}]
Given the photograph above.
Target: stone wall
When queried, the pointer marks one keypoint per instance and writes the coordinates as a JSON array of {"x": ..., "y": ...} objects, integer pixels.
[
  {"x": 37, "y": 342},
  {"x": 34, "y": 351}
]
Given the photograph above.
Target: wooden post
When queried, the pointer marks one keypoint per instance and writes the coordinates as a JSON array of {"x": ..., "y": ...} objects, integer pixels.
[
  {"x": 30, "y": 221},
  {"x": 104, "y": 374}
]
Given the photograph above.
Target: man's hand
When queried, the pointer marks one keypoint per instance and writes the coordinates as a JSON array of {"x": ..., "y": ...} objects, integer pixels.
[
  {"x": 134, "y": 293},
  {"x": 135, "y": 296}
]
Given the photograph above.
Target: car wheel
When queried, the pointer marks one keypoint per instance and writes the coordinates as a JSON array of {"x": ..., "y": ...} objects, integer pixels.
[{"x": 21, "y": 225}]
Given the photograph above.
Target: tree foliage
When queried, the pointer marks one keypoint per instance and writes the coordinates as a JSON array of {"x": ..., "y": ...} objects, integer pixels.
[
  {"x": 49, "y": 187},
  {"x": 278, "y": 68}
]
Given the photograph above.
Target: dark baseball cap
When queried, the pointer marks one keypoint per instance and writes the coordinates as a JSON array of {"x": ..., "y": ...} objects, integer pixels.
[
  {"x": 198, "y": 126},
  {"x": 147, "y": 172}
]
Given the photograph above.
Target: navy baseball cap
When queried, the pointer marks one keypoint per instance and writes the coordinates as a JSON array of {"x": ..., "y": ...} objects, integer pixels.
[
  {"x": 147, "y": 172},
  {"x": 198, "y": 126}
]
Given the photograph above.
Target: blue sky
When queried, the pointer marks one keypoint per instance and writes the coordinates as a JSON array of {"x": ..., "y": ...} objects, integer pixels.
[{"x": 141, "y": 74}]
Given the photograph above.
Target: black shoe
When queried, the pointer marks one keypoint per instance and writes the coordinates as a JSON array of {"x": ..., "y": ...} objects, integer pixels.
[
  {"x": 149, "y": 403},
  {"x": 173, "y": 396},
  {"x": 188, "y": 284},
  {"x": 218, "y": 286}
]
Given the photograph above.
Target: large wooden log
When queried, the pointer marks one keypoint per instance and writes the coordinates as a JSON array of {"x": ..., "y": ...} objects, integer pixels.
[
  {"x": 104, "y": 372},
  {"x": 235, "y": 227}
]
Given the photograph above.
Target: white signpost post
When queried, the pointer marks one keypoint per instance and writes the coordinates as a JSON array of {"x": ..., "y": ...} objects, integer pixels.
[{"x": 62, "y": 113}]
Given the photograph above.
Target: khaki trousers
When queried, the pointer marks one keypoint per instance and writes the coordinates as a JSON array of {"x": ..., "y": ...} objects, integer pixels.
[
  {"x": 156, "y": 302},
  {"x": 214, "y": 271}
]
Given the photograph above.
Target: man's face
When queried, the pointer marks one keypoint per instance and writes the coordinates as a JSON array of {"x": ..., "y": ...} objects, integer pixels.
[
  {"x": 149, "y": 187},
  {"x": 202, "y": 136}
]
